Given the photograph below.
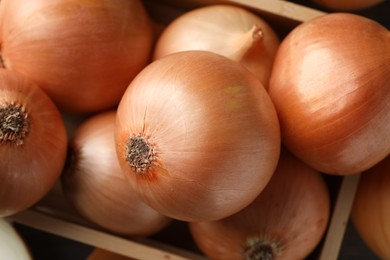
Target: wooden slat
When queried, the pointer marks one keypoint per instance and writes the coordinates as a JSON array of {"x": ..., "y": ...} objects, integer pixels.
[
  {"x": 340, "y": 216},
  {"x": 139, "y": 249}
]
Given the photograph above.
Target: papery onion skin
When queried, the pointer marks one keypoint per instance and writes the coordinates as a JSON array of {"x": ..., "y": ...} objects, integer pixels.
[
  {"x": 348, "y": 5},
  {"x": 286, "y": 221},
  {"x": 370, "y": 212},
  {"x": 82, "y": 53},
  {"x": 96, "y": 186},
  {"x": 330, "y": 86},
  {"x": 31, "y": 163},
  {"x": 228, "y": 30},
  {"x": 212, "y": 131}
]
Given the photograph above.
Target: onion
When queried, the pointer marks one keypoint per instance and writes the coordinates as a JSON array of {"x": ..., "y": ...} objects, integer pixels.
[
  {"x": 95, "y": 185},
  {"x": 286, "y": 221},
  {"x": 102, "y": 254},
  {"x": 348, "y": 5},
  {"x": 33, "y": 143},
  {"x": 228, "y": 30},
  {"x": 12, "y": 246},
  {"x": 371, "y": 213},
  {"x": 82, "y": 53},
  {"x": 330, "y": 86},
  {"x": 197, "y": 135}
]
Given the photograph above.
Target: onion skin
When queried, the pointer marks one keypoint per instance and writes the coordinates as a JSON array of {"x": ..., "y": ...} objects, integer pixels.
[
  {"x": 288, "y": 218},
  {"x": 31, "y": 164},
  {"x": 330, "y": 86},
  {"x": 371, "y": 213},
  {"x": 348, "y": 5},
  {"x": 96, "y": 186},
  {"x": 212, "y": 131},
  {"x": 102, "y": 254},
  {"x": 82, "y": 53},
  {"x": 227, "y": 30}
]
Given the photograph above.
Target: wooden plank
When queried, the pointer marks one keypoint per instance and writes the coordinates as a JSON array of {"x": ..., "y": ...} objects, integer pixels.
[
  {"x": 137, "y": 248},
  {"x": 340, "y": 216}
]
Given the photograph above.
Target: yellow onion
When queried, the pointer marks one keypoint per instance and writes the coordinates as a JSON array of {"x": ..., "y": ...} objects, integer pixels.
[
  {"x": 33, "y": 143},
  {"x": 82, "y": 53},
  {"x": 330, "y": 86},
  {"x": 286, "y": 221},
  {"x": 102, "y": 254},
  {"x": 228, "y": 30},
  {"x": 371, "y": 213},
  {"x": 96, "y": 186},
  {"x": 197, "y": 136}
]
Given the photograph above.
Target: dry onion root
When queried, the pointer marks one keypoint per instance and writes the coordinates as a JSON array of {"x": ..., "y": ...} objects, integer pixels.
[{"x": 197, "y": 136}]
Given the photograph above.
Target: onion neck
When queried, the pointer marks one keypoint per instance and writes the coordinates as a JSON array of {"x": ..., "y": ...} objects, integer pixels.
[
  {"x": 258, "y": 249},
  {"x": 245, "y": 45}
]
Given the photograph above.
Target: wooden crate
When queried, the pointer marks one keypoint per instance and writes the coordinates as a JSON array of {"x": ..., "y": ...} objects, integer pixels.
[{"x": 54, "y": 215}]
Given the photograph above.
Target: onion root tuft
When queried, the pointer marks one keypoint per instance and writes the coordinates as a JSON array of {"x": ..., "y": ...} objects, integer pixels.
[
  {"x": 139, "y": 153},
  {"x": 261, "y": 250}
]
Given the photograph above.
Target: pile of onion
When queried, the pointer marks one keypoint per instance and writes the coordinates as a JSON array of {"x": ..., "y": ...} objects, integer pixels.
[
  {"x": 348, "y": 5},
  {"x": 33, "y": 143},
  {"x": 12, "y": 245},
  {"x": 82, "y": 53},
  {"x": 371, "y": 212},
  {"x": 228, "y": 30},
  {"x": 197, "y": 136},
  {"x": 286, "y": 221},
  {"x": 95, "y": 185},
  {"x": 330, "y": 86}
]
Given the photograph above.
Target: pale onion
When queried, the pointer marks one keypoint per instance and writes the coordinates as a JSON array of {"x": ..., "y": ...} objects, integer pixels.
[
  {"x": 371, "y": 212},
  {"x": 286, "y": 221},
  {"x": 228, "y": 30},
  {"x": 33, "y": 143},
  {"x": 197, "y": 136},
  {"x": 96, "y": 186},
  {"x": 348, "y": 5},
  {"x": 12, "y": 245},
  {"x": 330, "y": 86},
  {"x": 82, "y": 53}
]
